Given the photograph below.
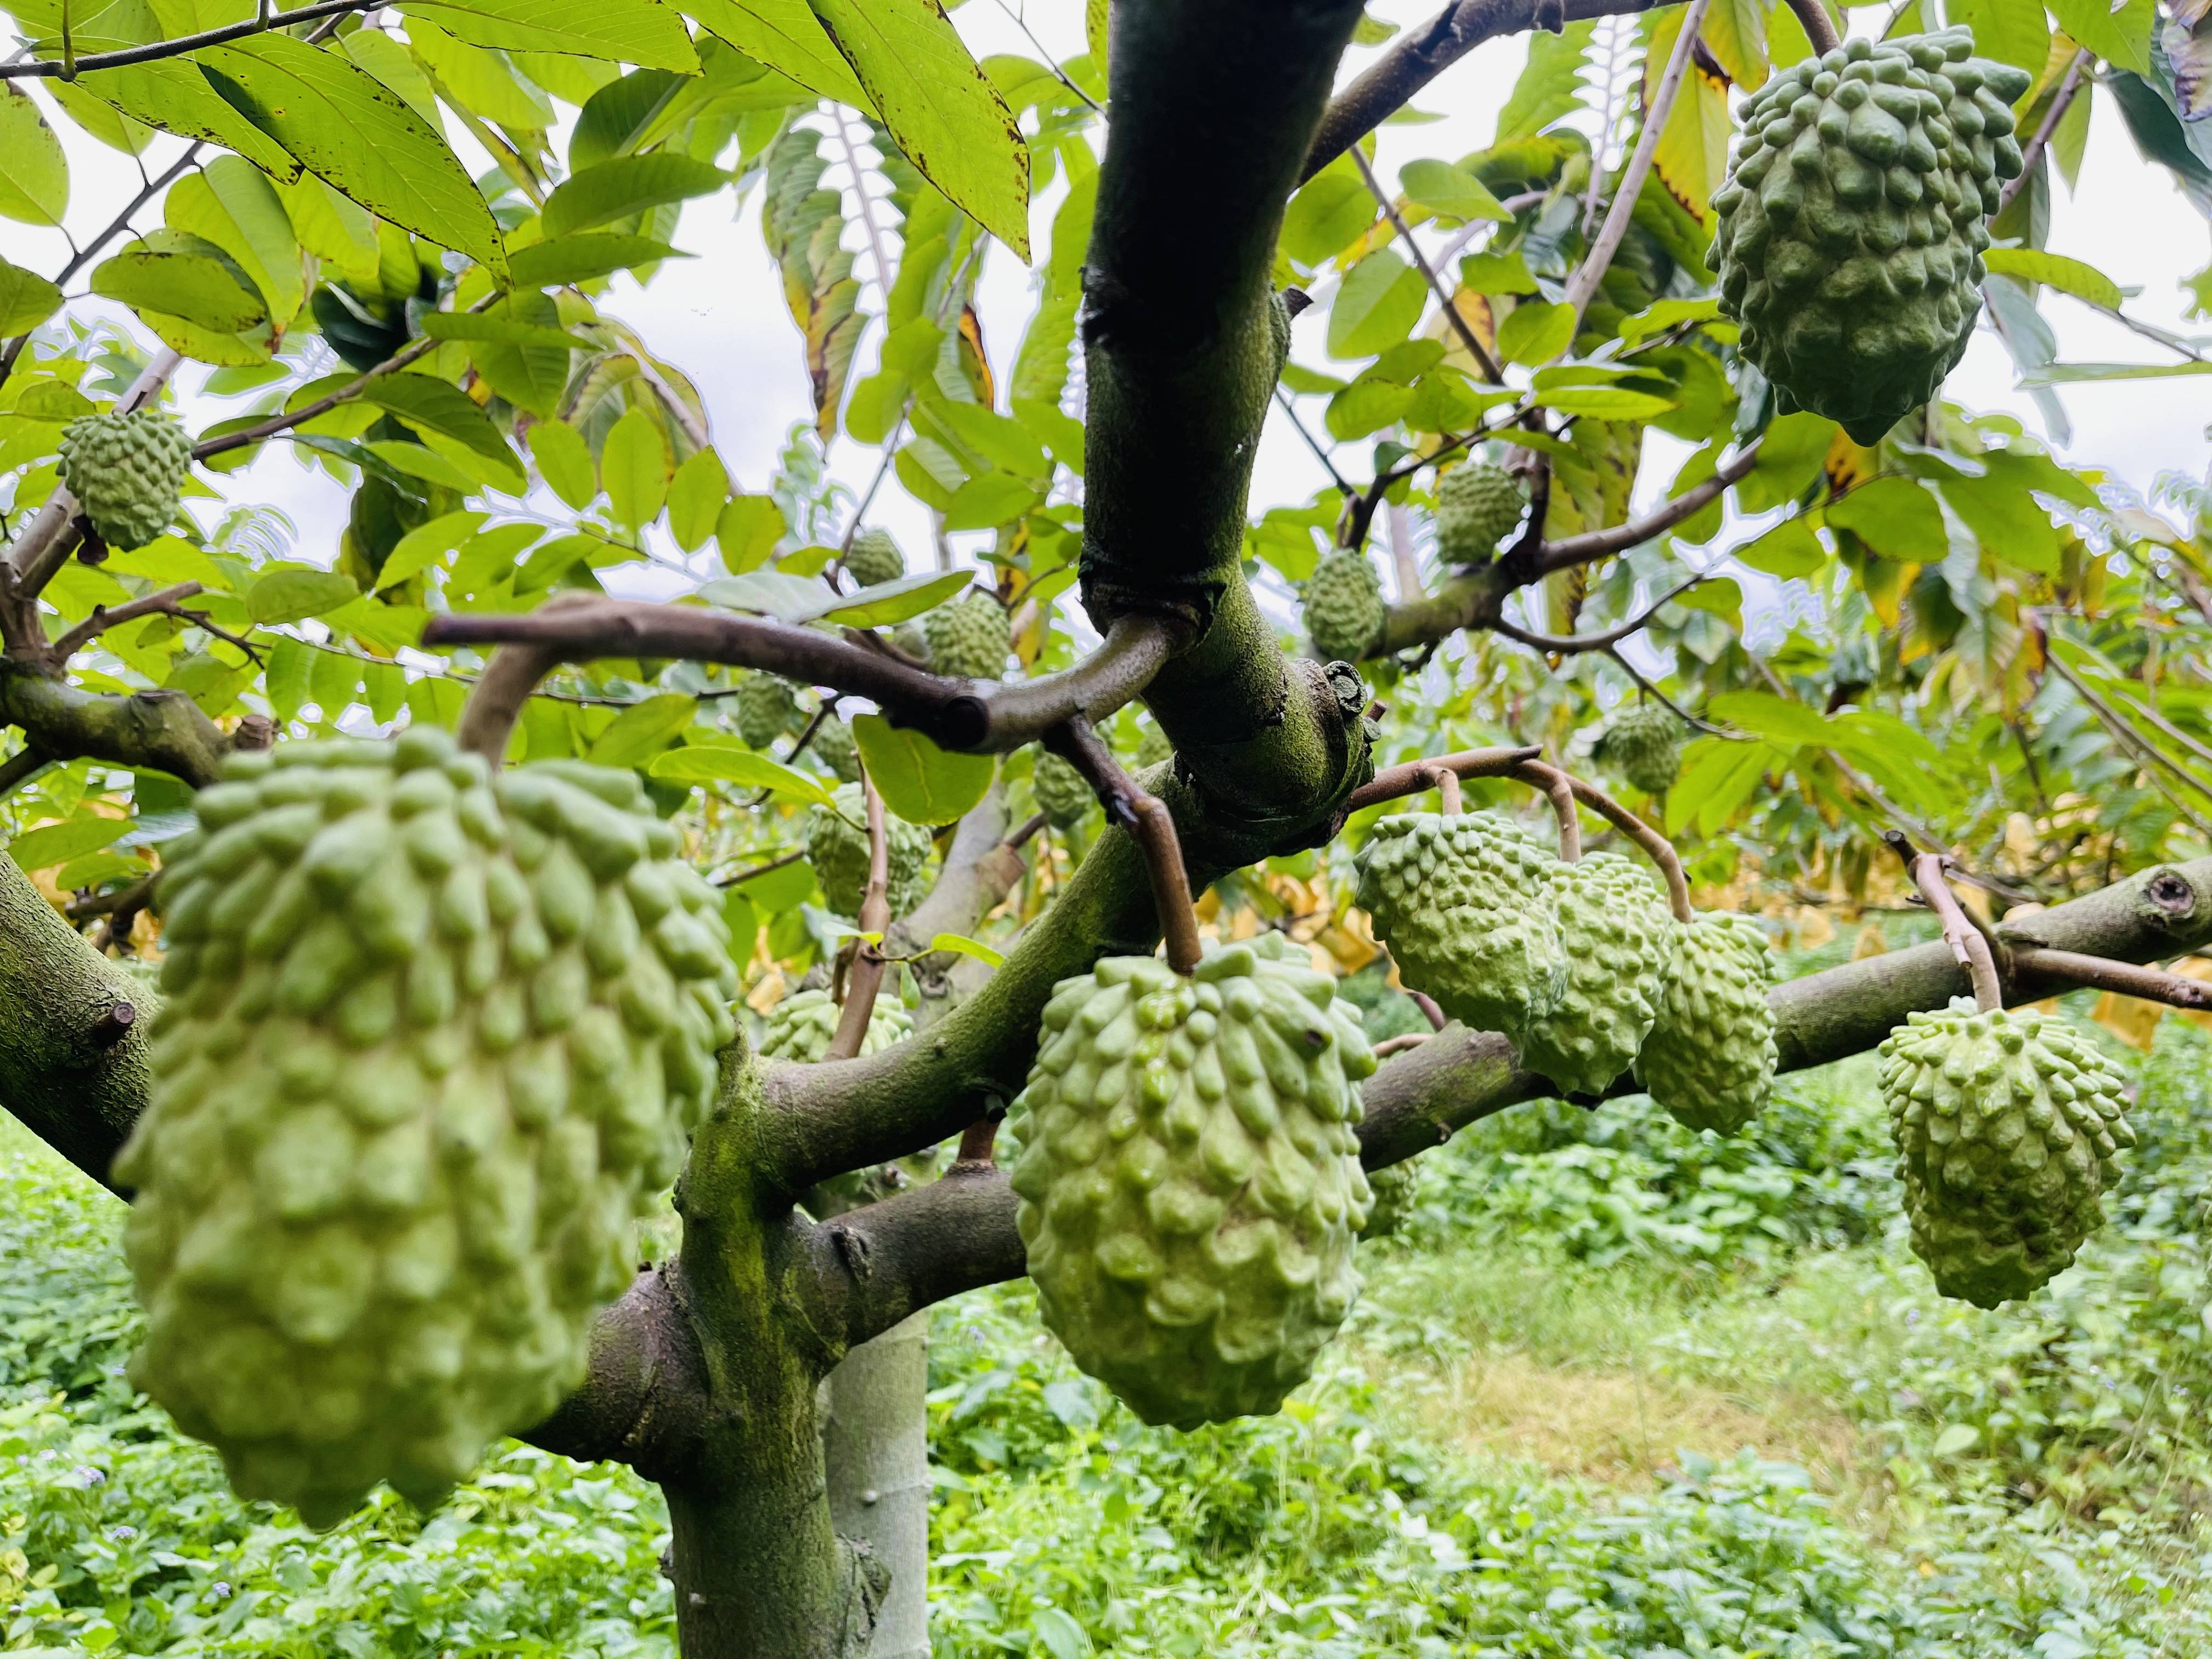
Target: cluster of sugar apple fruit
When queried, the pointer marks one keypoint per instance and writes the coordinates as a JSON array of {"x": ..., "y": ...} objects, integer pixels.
[
  {"x": 1189, "y": 1188},
  {"x": 433, "y": 1038},
  {"x": 969, "y": 638},
  {"x": 836, "y": 839},
  {"x": 127, "y": 473},
  {"x": 1643, "y": 744},
  {"x": 799, "y": 1027},
  {"x": 766, "y": 707},
  {"x": 1854, "y": 217},
  {"x": 1581, "y": 964},
  {"x": 836, "y": 749},
  {"x": 1063, "y": 794}
]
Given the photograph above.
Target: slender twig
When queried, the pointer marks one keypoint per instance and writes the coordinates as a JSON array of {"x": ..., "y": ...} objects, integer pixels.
[
  {"x": 1412, "y": 777},
  {"x": 1320, "y": 452},
  {"x": 867, "y": 202},
  {"x": 1026, "y": 832},
  {"x": 1820, "y": 28},
  {"x": 2122, "y": 978},
  {"x": 2120, "y": 726},
  {"x": 60, "y": 69},
  {"x": 1569, "y": 644},
  {"x": 1597, "y": 544},
  {"x": 1398, "y": 1045},
  {"x": 1059, "y": 74},
  {"x": 1968, "y": 948},
  {"x": 866, "y": 976},
  {"x": 132, "y": 897},
  {"x": 1584, "y": 283},
  {"x": 103, "y": 618},
  {"x": 1657, "y": 846},
  {"x": 1475, "y": 349},
  {"x": 1430, "y": 1010},
  {"x": 2061, "y": 101},
  {"x": 1558, "y": 788},
  {"x": 1145, "y": 816},
  {"x": 1668, "y": 702},
  {"x": 747, "y": 874}
]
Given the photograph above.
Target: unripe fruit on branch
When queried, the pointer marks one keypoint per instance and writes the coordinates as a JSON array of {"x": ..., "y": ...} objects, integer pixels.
[
  {"x": 874, "y": 558},
  {"x": 1643, "y": 744},
  {"x": 127, "y": 473},
  {"x": 766, "y": 707},
  {"x": 969, "y": 638},
  {"x": 1063, "y": 794},
  {"x": 1477, "y": 503},
  {"x": 1619, "y": 939},
  {"x": 833, "y": 742},
  {"x": 1710, "y": 1059},
  {"x": 1344, "y": 608},
  {"x": 800, "y": 1026},
  {"x": 837, "y": 847}
]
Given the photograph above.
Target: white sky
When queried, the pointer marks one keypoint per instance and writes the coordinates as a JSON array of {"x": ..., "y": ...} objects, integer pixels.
[{"x": 722, "y": 317}]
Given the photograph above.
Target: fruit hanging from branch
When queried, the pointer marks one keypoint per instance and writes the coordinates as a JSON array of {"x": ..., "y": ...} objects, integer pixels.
[
  {"x": 1344, "y": 607},
  {"x": 1710, "y": 1059},
  {"x": 127, "y": 473},
  {"x": 1618, "y": 942},
  {"x": 1478, "y": 502}
]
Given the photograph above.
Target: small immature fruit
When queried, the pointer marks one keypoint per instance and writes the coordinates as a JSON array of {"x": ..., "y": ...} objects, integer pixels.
[
  {"x": 1189, "y": 1178},
  {"x": 1643, "y": 744},
  {"x": 1397, "y": 1190},
  {"x": 1464, "y": 903},
  {"x": 834, "y": 743},
  {"x": 433, "y": 1039},
  {"x": 1344, "y": 606},
  {"x": 1063, "y": 794},
  {"x": 1853, "y": 224},
  {"x": 2007, "y": 1126},
  {"x": 1710, "y": 1059},
  {"x": 969, "y": 639},
  {"x": 800, "y": 1026},
  {"x": 127, "y": 473},
  {"x": 1152, "y": 746},
  {"x": 767, "y": 707},
  {"x": 837, "y": 847},
  {"x": 1477, "y": 503},
  {"x": 874, "y": 558},
  {"x": 1617, "y": 936}
]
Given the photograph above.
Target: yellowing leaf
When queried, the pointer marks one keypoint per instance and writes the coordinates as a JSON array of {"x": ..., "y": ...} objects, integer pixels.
[{"x": 1692, "y": 158}]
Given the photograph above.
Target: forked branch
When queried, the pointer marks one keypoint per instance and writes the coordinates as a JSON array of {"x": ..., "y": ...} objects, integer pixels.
[
  {"x": 1145, "y": 817},
  {"x": 865, "y": 978}
]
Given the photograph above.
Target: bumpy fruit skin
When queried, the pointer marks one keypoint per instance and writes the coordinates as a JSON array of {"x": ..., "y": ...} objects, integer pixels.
[
  {"x": 127, "y": 473},
  {"x": 969, "y": 639},
  {"x": 1344, "y": 606},
  {"x": 1464, "y": 903},
  {"x": 834, "y": 743},
  {"x": 1477, "y": 503},
  {"x": 1710, "y": 1059},
  {"x": 432, "y": 1040},
  {"x": 874, "y": 558},
  {"x": 800, "y": 1026},
  {"x": 1397, "y": 1190},
  {"x": 837, "y": 847},
  {"x": 1643, "y": 744},
  {"x": 2007, "y": 1126},
  {"x": 1153, "y": 747},
  {"x": 1189, "y": 1178},
  {"x": 1062, "y": 793},
  {"x": 1618, "y": 938},
  {"x": 765, "y": 707},
  {"x": 1853, "y": 221}
]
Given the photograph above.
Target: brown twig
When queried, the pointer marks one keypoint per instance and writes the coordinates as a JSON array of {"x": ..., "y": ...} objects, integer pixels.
[
  {"x": 866, "y": 977},
  {"x": 19, "y": 769},
  {"x": 1559, "y": 789},
  {"x": 2122, "y": 978},
  {"x": 2031, "y": 152},
  {"x": 1968, "y": 947},
  {"x": 747, "y": 875},
  {"x": 1657, "y": 846},
  {"x": 979, "y": 1143},
  {"x": 1475, "y": 349},
  {"x": 495, "y": 701},
  {"x": 1145, "y": 816},
  {"x": 1412, "y": 777},
  {"x": 70, "y": 69},
  {"x": 1820, "y": 28},
  {"x": 1668, "y": 702},
  {"x": 1398, "y": 1045},
  {"x": 1598, "y": 544},
  {"x": 164, "y": 602},
  {"x": 1431, "y": 1010},
  {"x": 1025, "y": 831},
  {"x": 1570, "y": 644}
]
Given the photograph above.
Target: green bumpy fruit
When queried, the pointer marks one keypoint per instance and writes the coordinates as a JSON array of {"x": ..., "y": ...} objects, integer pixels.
[
  {"x": 800, "y": 1026},
  {"x": 1853, "y": 224},
  {"x": 835, "y": 746},
  {"x": 1189, "y": 1178},
  {"x": 127, "y": 473},
  {"x": 1397, "y": 1190},
  {"x": 837, "y": 847},
  {"x": 1344, "y": 606},
  {"x": 1062, "y": 793},
  {"x": 969, "y": 639},
  {"x": 767, "y": 707},
  {"x": 2007, "y": 1126},
  {"x": 1477, "y": 503},
  {"x": 873, "y": 558},
  {"x": 1618, "y": 937},
  {"x": 432, "y": 1040},
  {"x": 1710, "y": 1059},
  {"x": 1643, "y": 744},
  {"x": 1153, "y": 747},
  {"x": 1464, "y": 903}
]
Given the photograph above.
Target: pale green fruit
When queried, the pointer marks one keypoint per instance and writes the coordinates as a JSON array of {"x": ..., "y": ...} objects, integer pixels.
[
  {"x": 2007, "y": 1126},
  {"x": 800, "y": 1026},
  {"x": 969, "y": 638},
  {"x": 1477, "y": 503},
  {"x": 1062, "y": 793},
  {"x": 1153, "y": 747},
  {"x": 1189, "y": 1178},
  {"x": 127, "y": 473},
  {"x": 1397, "y": 1190},
  {"x": 765, "y": 707},
  {"x": 834, "y": 743},
  {"x": 874, "y": 558},
  {"x": 837, "y": 847},
  {"x": 1618, "y": 939},
  {"x": 1643, "y": 744},
  {"x": 1344, "y": 608},
  {"x": 1710, "y": 1058}
]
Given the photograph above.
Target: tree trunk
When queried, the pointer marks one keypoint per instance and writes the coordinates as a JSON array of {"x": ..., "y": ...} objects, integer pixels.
[{"x": 875, "y": 1440}]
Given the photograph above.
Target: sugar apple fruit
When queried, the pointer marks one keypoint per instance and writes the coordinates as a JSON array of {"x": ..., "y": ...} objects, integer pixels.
[
  {"x": 1477, "y": 503},
  {"x": 834, "y": 745},
  {"x": 1464, "y": 903},
  {"x": 969, "y": 639},
  {"x": 1617, "y": 935},
  {"x": 874, "y": 558},
  {"x": 1852, "y": 226},
  {"x": 1063, "y": 794},
  {"x": 1189, "y": 1184},
  {"x": 1153, "y": 747},
  {"x": 800, "y": 1026},
  {"x": 766, "y": 707},
  {"x": 2007, "y": 1125},
  {"x": 127, "y": 473},
  {"x": 1397, "y": 1190},
  {"x": 1643, "y": 744},
  {"x": 1710, "y": 1059},
  {"x": 432, "y": 1040},
  {"x": 837, "y": 847},
  {"x": 1344, "y": 606}
]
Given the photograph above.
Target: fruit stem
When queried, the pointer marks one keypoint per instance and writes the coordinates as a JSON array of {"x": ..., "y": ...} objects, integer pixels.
[
  {"x": 1396, "y": 782},
  {"x": 1556, "y": 784},
  {"x": 1449, "y": 799},
  {"x": 1657, "y": 846},
  {"x": 1968, "y": 947},
  {"x": 1147, "y": 818},
  {"x": 1820, "y": 28}
]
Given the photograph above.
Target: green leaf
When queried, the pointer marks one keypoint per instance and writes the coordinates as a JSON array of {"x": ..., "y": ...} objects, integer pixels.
[
  {"x": 564, "y": 461},
  {"x": 640, "y": 32},
  {"x": 1550, "y": 85},
  {"x": 643, "y": 730},
  {"x": 482, "y": 82},
  {"x": 2083, "y": 282},
  {"x": 998, "y": 438},
  {"x": 2010, "y": 31},
  {"x": 427, "y": 545},
  {"x": 1366, "y": 406},
  {"x": 2007, "y": 521},
  {"x": 33, "y": 173},
  {"x": 359, "y": 137},
  {"x": 747, "y": 531},
  {"x": 961, "y": 945},
  {"x": 2059, "y": 374},
  {"x": 1380, "y": 300},
  {"x": 1790, "y": 549},
  {"x": 715, "y": 762},
  {"x": 892, "y": 602},
  {"x": 497, "y": 329},
  {"x": 1717, "y": 777},
  {"x": 1896, "y": 517},
  {"x": 2119, "y": 34},
  {"x": 580, "y": 259},
  {"x": 1333, "y": 209},
  {"x": 381, "y": 56},
  {"x": 434, "y": 406},
  {"x": 174, "y": 96},
  {"x": 1603, "y": 402},
  {"x": 197, "y": 289},
  {"x": 625, "y": 186},
  {"x": 786, "y": 35},
  {"x": 634, "y": 468},
  {"x": 27, "y": 299},
  {"x": 919, "y": 781},
  {"x": 941, "y": 108},
  {"x": 284, "y": 596},
  {"x": 1452, "y": 191},
  {"x": 695, "y": 495},
  {"x": 1955, "y": 1438},
  {"x": 1536, "y": 333},
  {"x": 231, "y": 203},
  {"x": 985, "y": 503},
  {"x": 57, "y": 843},
  {"x": 1792, "y": 725}
]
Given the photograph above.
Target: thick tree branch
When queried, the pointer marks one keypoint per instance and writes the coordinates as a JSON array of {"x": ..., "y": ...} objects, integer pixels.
[
  {"x": 875, "y": 1265},
  {"x": 163, "y": 729},
  {"x": 646, "y": 1399}
]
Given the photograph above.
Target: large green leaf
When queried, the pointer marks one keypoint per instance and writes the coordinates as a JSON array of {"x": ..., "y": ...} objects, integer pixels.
[
  {"x": 625, "y": 186},
  {"x": 284, "y": 596},
  {"x": 232, "y": 204},
  {"x": 55, "y": 843},
  {"x": 1896, "y": 517},
  {"x": 634, "y": 466},
  {"x": 947, "y": 117},
  {"x": 2083, "y": 282},
  {"x": 641, "y": 32},
  {"x": 27, "y": 299},
  {"x": 1452, "y": 191},
  {"x": 1550, "y": 85},
  {"x": 1380, "y": 300},
  {"x": 33, "y": 173},
  {"x": 433, "y": 405},
  {"x": 901, "y": 600},
  {"x": 2010, "y": 31},
  {"x": 581, "y": 257},
  {"x": 358, "y": 136},
  {"x": 2120, "y": 35},
  {"x": 717, "y": 763},
  {"x": 643, "y": 730},
  {"x": 919, "y": 781},
  {"x": 787, "y": 36},
  {"x": 201, "y": 290}
]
